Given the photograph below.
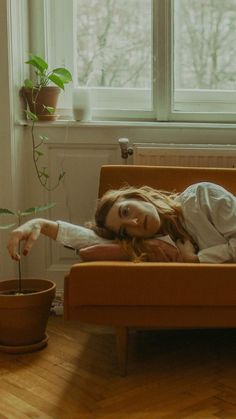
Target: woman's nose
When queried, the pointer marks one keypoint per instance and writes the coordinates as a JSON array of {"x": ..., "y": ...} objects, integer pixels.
[{"x": 135, "y": 221}]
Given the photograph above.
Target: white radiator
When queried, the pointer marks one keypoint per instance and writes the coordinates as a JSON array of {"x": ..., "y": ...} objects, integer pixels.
[{"x": 184, "y": 155}]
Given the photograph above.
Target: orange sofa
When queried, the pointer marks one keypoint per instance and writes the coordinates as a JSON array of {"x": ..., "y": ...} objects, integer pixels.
[{"x": 149, "y": 294}]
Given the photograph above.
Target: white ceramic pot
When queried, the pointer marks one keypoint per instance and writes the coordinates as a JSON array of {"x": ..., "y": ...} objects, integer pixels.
[{"x": 82, "y": 104}]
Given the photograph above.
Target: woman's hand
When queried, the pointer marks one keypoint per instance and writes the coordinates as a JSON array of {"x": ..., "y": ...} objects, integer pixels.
[
  {"x": 187, "y": 251},
  {"x": 161, "y": 251},
  {"x": 29, "y": 232}
]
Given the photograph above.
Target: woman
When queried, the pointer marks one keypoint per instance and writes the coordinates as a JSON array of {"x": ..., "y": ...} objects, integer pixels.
[
  {"x": 137, "y": 214},
  {"x": 201, "y": 220}
]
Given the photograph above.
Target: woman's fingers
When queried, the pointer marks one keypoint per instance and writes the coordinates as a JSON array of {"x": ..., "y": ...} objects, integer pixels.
[
  {"x": 187, "y": 245},
  {"x": 13, "y": 245},
  {"x": 27, "y": 232},
  {"x": 35, "y": 233},
  {"x": 187, "y": 251},
  {"x": 179, "y": 244}
]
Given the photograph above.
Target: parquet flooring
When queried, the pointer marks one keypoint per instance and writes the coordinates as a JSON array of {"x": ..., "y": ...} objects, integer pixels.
[{"x": 171, "y": 375}]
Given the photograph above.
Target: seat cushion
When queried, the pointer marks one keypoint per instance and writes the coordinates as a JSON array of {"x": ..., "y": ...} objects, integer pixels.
[{"x": 162, "y": 284}]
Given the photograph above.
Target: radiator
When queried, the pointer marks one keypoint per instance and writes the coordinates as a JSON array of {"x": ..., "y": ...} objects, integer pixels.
[{"x": 184, "y": 155}]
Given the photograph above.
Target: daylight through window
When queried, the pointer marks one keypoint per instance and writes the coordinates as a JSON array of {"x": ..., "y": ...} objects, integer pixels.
[{"x": 164, "y": 60}]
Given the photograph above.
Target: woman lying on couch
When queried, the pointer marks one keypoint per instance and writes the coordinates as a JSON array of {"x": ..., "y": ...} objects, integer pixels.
[{"x": 197, "y": 225}]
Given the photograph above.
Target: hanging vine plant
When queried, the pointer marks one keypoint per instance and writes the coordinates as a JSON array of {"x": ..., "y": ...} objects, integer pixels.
[{"x": 41, "y": 99}]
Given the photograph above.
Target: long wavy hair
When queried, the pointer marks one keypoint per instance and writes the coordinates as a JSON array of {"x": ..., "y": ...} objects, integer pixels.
[{"x": 170, "y": 212}]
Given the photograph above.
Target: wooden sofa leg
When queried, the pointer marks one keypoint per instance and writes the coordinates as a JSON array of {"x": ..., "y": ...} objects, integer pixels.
[{"x": 122, "y": 348}]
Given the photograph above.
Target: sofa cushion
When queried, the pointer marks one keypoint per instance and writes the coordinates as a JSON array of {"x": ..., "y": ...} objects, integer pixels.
[{"x": 165, "y": 284}]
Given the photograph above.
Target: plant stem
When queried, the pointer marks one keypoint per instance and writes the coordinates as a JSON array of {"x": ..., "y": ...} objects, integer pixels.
[
  {"x": 34, "y": 147},
  {"x": 19, "y": 273},
  {"x": 34, "y": 158},
  {"x": 40, "y": 176},
  {"x": 19, "y": 263}
]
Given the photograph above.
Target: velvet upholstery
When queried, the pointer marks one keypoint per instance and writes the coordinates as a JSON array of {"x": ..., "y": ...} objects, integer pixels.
[{"x": 173, "y": 295}]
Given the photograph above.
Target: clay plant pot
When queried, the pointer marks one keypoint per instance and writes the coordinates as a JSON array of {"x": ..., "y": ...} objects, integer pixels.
[
  {"x": 45, "y": 96},
  {"x": 24, "y": 317}
]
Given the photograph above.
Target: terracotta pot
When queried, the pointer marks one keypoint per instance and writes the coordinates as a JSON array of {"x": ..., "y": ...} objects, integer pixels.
[
  {"x": 23, "y": 318},
  {"x": 46, "y": 96}
]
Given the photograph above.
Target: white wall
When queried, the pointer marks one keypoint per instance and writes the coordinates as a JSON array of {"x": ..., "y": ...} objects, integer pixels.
[
  {"x": 6, "y": 140},
  {"x": 11, "y": 135}
]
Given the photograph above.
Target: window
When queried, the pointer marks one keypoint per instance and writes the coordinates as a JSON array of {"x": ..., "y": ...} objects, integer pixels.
[
  {"x": 205, "y": 55},
  {"x": 113, "y": 43},
  {"x": 165, "y": 60},
  {"x": 113, "y": 51}
]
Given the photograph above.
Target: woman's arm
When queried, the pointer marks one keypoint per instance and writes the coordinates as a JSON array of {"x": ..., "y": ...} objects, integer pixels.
[
  {"x": 210, "y": 216},
  {"x": 30, "y": 232}
]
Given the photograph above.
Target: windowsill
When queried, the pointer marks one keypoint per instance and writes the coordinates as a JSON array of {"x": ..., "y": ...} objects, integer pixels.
[{"x": 144, "y": 124}]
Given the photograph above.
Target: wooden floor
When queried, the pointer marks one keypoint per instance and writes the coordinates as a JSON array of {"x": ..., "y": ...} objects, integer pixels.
[{"x": 171, "y": 374}]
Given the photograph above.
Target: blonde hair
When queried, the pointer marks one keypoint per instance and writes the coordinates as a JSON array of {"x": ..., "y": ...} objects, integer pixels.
[{"x": 165, "y": 202}]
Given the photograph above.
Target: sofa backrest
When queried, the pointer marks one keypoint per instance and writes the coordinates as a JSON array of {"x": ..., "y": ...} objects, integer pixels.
[{"x": 167, "y": 178}]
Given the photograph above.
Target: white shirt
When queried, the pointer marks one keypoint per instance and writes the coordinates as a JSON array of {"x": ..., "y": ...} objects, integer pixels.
[{"x": 210, "y": 218}]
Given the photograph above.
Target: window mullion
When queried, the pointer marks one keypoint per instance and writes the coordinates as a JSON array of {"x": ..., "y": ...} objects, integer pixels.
[
  {"x": 51, "y": 36},
  {"x": 37, "y": 38},
  {"x": 162, "y": 62}
]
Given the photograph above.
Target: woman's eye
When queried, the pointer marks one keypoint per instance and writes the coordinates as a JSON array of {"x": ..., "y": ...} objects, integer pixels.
[
  {"x": 125, "y": 211},
  {"x": 123, "y": 233}
]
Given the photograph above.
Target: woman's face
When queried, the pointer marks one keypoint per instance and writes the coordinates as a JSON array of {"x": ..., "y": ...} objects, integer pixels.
[{"x": 133, "y": 218}]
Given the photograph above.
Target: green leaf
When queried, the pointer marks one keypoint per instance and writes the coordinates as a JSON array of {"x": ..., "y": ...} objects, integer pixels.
[
  {"x": 63, "y": 74},
  {"x": 37, "y": 62},
  {"x": 61, "y": 175},
  {"x": 56, "y": 80},
  {"x": 45, "y": 207},
  {"x": 35, "y": 210},
  {"x": 44, "y": 174},
  {"x": 50, "y": 109},
  {"x": 31, "y": 116},
  {"x": 5, "y": 211},
  {"x": 28, "y": 83},
  {"x": 5, "y": 227},
  {"x": 43, "y": 137},
  {"x": 39, "y": 153}
]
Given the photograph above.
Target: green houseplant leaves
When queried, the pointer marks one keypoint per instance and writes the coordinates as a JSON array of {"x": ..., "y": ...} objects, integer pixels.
[{"x": 58, "y": 76}]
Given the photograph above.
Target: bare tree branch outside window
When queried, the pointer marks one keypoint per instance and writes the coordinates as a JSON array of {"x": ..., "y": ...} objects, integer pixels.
[
  {"x": 205, "y": 47},
  {"x": 114, "y": 43}
]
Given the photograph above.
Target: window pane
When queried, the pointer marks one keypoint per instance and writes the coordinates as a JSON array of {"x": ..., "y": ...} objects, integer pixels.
[
  {"x": 114, "y": 47},
  {"x": 204, "y": 47}
]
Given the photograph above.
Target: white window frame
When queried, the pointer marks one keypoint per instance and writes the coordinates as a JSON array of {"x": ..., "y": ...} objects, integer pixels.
[{"x": 52, "y": 36}]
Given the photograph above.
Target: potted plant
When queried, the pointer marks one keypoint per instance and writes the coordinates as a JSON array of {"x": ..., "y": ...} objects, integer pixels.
[
  {"x": 41, "y": 99},
  {"x": 24, "y": 303},
  {"x": 38, "y": 93}
]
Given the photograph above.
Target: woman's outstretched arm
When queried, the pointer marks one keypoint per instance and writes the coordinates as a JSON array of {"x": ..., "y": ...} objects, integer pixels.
[{"x": 30, "y": 232}]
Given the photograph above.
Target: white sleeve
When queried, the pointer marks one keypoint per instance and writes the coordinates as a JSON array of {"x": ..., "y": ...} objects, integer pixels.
[
  {"x": 222, "y": 205},
  {"x": 221, "y": 253},
  {"x": 76, "y": 236},
  {"x": 210, "y": 213}
]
